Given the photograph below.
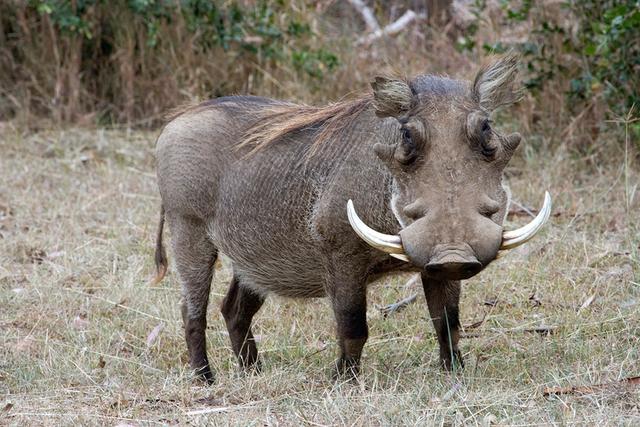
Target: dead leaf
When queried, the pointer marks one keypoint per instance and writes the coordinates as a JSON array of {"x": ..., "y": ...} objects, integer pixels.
[
  {"x": 587, "y": 302},
  {"x": 535, "y": 300},
  {"x": 617, "y": 222},
  {"x": 556, "y": 391},
  {"x": 101, "y": 363},
  {"x": 489, "y": 420},
  {"x": 5, "y": 211},
  {"x": 321, "y": 345},
  {"x": 86, "y": 157},
  {"x": 56, "y": 254},
  {"x": 37, "y": 255},
  {"x": 7, "y": 407},
  {"x": 491, "y": 302},
  {"x": 153, "y": 335},
  {"x": 542, "y": 330},
  {"x": 80, "y": 322},
  {"x": 449, "y": 394}
]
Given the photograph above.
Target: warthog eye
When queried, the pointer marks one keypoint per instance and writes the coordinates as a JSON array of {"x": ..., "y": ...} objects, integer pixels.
[
  {"x": 488, "y": 151},
  {"x": 480, "y": 134},
  {"x": 407, "y": 151},
  {"x": 406, "y": 135},
  {"x": 486, "y": 127},
  {"x": 488, "y": 148}
]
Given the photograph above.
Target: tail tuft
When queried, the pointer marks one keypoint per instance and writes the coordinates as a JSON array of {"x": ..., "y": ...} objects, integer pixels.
[{"x": 161, "y": 255}]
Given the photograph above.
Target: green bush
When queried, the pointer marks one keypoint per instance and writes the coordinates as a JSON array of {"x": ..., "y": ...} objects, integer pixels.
[
  {"x": 609, "y": 43},
  {"x": 602, "y": 40},
  {"x": 121, "y": 57}
]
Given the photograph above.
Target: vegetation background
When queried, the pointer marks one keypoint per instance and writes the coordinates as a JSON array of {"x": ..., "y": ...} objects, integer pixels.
[{"x": 84, "y": 87}]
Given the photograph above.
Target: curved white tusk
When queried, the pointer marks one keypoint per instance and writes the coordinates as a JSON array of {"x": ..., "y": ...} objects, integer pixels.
[
  {"x": 511, "y": 239},
  {"x": 401, "y": 257},
  {"x": 385, "y": 242}
]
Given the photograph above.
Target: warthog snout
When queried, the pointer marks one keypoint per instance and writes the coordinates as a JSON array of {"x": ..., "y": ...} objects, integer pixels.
[
  {"x": 453, "y": 264},
  {"x": 449, "y": 248},
  {"x": 420, "y": 242},
  {"x": 453, "y": 238}
]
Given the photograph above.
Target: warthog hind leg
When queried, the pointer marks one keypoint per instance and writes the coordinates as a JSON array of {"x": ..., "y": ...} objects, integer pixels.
[
  {"x": 443, "y": 298},
  {"x": 238, "y": 308},
  {"x": 195, "y": 256}
]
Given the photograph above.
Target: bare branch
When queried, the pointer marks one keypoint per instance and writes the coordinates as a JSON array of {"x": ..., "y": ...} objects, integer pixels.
[
  {"x": 397, "y": 306},
  {"x": 367, "y": 14},
  {"x": 394, "y": 28}
]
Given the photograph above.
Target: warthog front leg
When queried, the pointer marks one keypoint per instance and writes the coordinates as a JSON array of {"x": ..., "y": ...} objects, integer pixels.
[
  {"x": 195, "y": 257},
  {"x": 238, "y": 308},
  {"x": 349, "y": 302},
  {"x": 443, "y": 298}
]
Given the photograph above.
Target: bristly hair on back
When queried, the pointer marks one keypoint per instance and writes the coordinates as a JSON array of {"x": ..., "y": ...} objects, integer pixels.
[
  {"x": 180, "y": 110},
  {"x": 277, "y": 121}
]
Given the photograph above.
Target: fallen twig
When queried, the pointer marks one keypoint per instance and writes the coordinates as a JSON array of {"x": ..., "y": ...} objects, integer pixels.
[
  {"x": 515, "y": 211},
  {"x": 557, "y": 391},
  {"x": 476, "y": 325},
  {"x": 397, "y": 306},
  {"x": 206, "y": 411},
  {"x": 518, "y": 209},
  {"x": 542, "y": 330}
]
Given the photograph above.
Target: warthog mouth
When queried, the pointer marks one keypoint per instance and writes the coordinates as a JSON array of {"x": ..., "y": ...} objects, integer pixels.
[{"x": 392, "y": 244}]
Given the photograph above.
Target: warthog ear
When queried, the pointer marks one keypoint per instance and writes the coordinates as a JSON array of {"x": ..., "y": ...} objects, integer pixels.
[
  {"x": 391, "y": 97},
  {"x": 512, "y": 141},
  {"x": 495, "y": 84}
]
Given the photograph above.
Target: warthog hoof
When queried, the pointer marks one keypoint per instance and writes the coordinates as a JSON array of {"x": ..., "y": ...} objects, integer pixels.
[
  {"x": 452, "y": 365},
  {"x": 347, "y": 369},
  {"x": 205, "y": 375}
]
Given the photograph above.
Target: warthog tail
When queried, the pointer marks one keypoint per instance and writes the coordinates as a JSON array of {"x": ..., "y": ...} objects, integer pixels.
[{"x": 161, "y": 255}]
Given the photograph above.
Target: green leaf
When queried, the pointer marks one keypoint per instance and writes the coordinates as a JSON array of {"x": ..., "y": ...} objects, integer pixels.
[{"x": 590, "y": 49}]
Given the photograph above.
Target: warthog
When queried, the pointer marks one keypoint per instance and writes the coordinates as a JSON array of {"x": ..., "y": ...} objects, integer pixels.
[{"x": 274, "y": 186}]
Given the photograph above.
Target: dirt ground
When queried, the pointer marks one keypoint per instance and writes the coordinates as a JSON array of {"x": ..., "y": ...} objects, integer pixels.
[{"x": 85, "y": 340}]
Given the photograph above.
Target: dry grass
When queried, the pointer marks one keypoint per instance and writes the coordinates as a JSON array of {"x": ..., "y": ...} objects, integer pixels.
[{"x": 78, "y": 210}]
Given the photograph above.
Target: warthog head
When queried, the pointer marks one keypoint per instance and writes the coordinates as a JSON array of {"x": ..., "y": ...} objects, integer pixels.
[{"x": 447, "y": 163}]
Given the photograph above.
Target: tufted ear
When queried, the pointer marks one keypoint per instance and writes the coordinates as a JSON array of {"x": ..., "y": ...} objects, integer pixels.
[
  {"x": 495, "y": 84},
  {"x": 391, "y": 97}
]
